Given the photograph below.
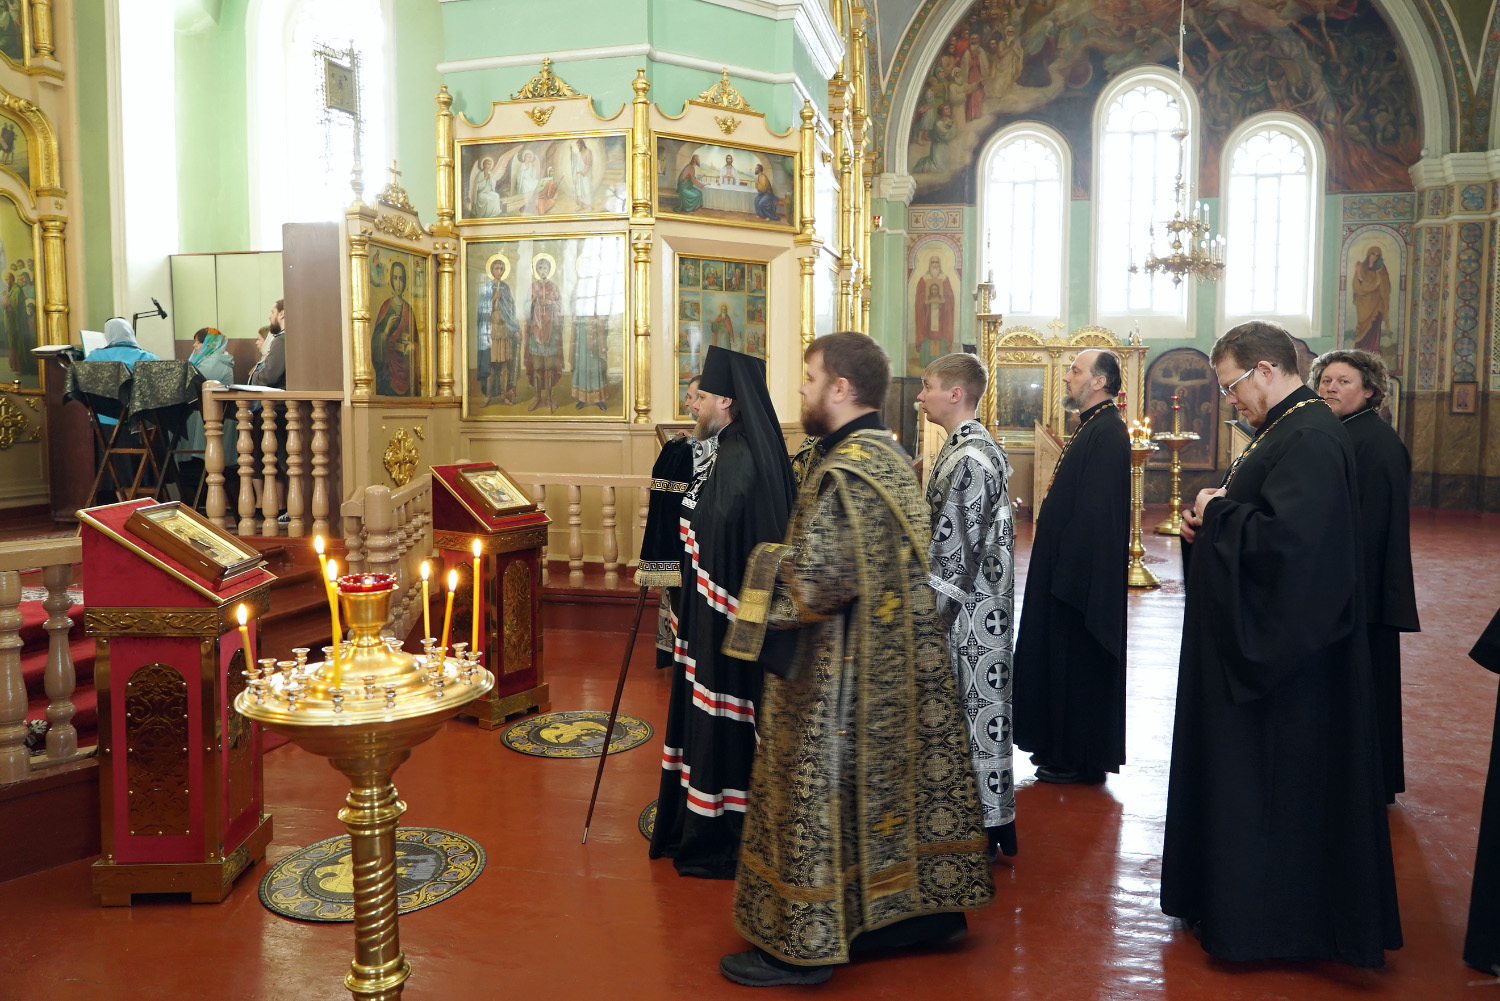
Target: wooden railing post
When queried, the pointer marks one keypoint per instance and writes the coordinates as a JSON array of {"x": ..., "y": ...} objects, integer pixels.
[
  {"x": 270, "y": 506},
  {"x": 354, "y": 542},
  {"x": 215, "y": 502},
  {"x": 611, "y": 539},
  {"x": 539, "y": 494},
  {"x": 59, "y": 679},
  {"x": 379, "y": 515},
  {"x": 15, "y": 760},
  {"x": 295, "y": 507},
  {"x": 320, "y": 468},
  {"x": 245, "y": 461},
  {"x": 575, "y": 535}
]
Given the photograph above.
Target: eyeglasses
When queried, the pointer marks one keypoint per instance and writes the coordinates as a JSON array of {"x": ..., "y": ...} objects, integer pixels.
[{"x": 1226, "y": 390}]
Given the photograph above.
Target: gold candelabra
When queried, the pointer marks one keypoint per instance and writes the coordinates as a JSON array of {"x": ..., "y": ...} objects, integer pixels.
[
  {"x": 989, "y": 324},
  {"x": 1141, "y": 449},
  {"x": 364, "y": 708},
  {"x": 1176, "y": 439}
]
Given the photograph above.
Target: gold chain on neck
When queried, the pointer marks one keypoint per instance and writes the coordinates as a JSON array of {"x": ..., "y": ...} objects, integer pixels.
[
  {"x": 1069, "y": 443},
  {"x": 1261, "y": 436}
]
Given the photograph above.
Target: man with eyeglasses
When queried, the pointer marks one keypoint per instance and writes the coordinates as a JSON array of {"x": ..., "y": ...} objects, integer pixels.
[{"x": 1276, "y": 842}]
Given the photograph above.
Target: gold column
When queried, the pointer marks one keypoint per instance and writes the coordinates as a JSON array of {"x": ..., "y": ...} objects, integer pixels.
[
  {"x": 359, "y": 302},
  {"x": 55, "y": 275},
  {"x": 807, "y": 235},
  {"x": 445, "y": 210},
  {"x": 447, "y": 254},
  {"x": 859, "y": 236},
  {"x": 989, "y": 327},
  {"x": 41, "y": 32},
  {"x": 640, "y": 247},
  {"x": 866, "y": 223},
  {"x": 641, "y": 176},
  {"x": 838, "y": 91}
]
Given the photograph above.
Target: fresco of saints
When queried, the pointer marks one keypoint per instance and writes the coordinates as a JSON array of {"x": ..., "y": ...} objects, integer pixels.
[
  {"x": 689, "y": 189},
  {"x": 765, "y": 197},
  {"x": 590, "y": 360},
  {"x": 543, "y": 333},
  {"x": 1371, "y": 285},
  {"x": 498, "y": 333},
  {"x": 721, "y": 330},
  {"x": 934, "y": 313},
  {"x": 583, "y": 176},
  {"x": 393, "y": 341}
]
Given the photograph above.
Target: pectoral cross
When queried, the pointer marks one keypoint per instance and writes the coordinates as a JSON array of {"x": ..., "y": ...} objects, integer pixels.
[
  {"x": 886, "y": 610},
  {"x": 888, "y": 824}
]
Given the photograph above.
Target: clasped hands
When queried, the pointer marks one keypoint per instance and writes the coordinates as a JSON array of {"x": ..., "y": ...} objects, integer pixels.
[{"x": 1194, "y": 518}]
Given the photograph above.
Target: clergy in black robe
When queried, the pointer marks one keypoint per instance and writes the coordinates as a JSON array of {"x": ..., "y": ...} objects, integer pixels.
[
  {"x": 1276, "y": 840},
  {"x": 741, "y": 495},
  {"x": 1482, "y": 944},
  {"x": 1069, "y": 694},
  {"x": 1355, "y": 385}
]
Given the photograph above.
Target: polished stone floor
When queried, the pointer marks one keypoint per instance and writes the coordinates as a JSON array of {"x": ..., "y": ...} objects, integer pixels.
[{"x": 1076, "y": 918}]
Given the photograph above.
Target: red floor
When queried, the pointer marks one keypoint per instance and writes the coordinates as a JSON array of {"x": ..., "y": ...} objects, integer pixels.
[{"x": 1076, "y": 917}]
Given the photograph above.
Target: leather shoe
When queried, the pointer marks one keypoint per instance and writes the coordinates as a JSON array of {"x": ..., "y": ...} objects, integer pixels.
[
  {"x": 756, "y": 969},
  {"x": 1057, "y": 776}
]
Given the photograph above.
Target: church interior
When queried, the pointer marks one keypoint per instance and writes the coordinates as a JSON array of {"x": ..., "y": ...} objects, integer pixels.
[{"x": 495, "y": 242}]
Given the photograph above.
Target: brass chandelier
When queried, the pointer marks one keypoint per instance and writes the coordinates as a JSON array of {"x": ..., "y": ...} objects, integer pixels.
[{"x": 1194, "y": 250}]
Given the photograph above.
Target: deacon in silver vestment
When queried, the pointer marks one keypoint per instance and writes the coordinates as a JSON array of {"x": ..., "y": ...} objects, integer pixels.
[{"x": 972, "y": 571}]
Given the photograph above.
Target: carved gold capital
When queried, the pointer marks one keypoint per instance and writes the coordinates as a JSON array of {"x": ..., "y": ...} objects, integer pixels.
[
  {"x": 544, "y": 85},
  {"x": 723, "y": 95}
]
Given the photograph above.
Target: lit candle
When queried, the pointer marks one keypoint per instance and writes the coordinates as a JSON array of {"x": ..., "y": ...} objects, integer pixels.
[
  {"x": 478, "y": 612},
  {"x": 448, "y": 615},
  {"x": 426, "y": 610},
  {"x": 322, "y": 560},
  {"x": 244, "y": 617}
]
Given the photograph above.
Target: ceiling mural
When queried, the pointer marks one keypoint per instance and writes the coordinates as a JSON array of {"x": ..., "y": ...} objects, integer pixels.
[{"x": 1334, "y": 62}]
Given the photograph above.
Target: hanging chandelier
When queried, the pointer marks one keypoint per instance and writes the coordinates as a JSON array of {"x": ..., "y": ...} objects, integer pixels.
[{"x": 1193, "y": 251}]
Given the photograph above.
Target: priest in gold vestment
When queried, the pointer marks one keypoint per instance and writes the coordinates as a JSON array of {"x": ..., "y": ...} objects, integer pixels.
[{"x": 864, "y": 830}]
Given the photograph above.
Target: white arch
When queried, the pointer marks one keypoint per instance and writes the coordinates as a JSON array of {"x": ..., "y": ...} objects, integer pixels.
[
  {"x": 1054, "y": 141},
  {"x": 1301, "y": 324},
  {"x": 1416, "y": 43},
  {"x": 268, "y": 28}
]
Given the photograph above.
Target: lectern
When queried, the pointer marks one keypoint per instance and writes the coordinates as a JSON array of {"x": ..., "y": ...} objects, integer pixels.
[{"x": 179, "y": 770}]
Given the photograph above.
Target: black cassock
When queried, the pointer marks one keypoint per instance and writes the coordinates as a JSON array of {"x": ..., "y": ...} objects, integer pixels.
[
  {"x": 1383, "y": 468},
  {"x": 1277, "y": 845},
  {"x": 1069, "y": 695},
  {"x": 1482, "y": 944}
]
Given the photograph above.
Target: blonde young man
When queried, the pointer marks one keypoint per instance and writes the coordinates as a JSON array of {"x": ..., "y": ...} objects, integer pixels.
[{"x": 971, "y": 567}]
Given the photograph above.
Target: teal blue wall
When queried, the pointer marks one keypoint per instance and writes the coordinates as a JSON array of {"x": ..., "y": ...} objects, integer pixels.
[
  {"x": 92, "y": 184},
  {"x": 213, "y": 154}
]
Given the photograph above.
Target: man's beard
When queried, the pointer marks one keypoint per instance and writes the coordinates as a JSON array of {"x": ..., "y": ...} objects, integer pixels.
[
  {"x": 275, "y": 327},
  {"x": 815, "y": 418},
  {"x": 1071, "y": 403},
  {"x": 707, "y": 426}
]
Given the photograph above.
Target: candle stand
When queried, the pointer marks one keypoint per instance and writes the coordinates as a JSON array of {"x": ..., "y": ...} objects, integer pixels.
[
  {"x": 1141, "y": 449},
  {"x": 1176, "y": 439}
]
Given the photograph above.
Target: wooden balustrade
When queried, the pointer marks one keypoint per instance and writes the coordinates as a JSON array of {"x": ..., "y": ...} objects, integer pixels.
[
  {"x": 390, "y": 531},
  {"x": 588, "y": 521},
  {"x": 56, "y": 558},
  {"x": 308, "y": 473}
]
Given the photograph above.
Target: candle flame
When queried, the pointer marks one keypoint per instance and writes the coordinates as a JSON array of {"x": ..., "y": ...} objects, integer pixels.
[
  {"x": 243, "y": 614},
  {"x": 318, "y": 544},
  {"x": 426, "y": 570},
  {"x": 333, "y": 571},
  {"x": 476, "y": 549},
  {"x": 453, "y": 580}
]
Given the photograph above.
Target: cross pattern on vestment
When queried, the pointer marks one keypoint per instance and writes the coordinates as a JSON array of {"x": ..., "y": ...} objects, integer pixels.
[
  {"x": 856, "y": 452},
  {"x": 888, "y": 824},
  {"x": 886, "y": 610}
]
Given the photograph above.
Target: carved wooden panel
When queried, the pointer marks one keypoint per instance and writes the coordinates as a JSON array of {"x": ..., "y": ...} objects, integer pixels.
[
  {"x": 517, "y": 617},
  {"x": 156, "y": 751},
  {"x": 239, "y": 749}
]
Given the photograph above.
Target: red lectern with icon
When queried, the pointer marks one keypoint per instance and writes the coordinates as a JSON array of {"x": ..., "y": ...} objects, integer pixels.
[
  {"x": 478, "y": 505},
  {"x": 179, "y": 770}
]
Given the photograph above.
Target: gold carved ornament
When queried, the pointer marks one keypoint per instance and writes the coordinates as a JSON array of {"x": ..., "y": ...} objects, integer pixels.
[
  {"x": 723, "y": 95},
  {"x": 401, "y": 457},
  {"x": 517, "y": 604},
  {"x": 151, "y": 622},
  {"x": 398, "y": 225},
  {"x": 393, "y": 194},
  {"x": 238, "y": 746},
  {"x": 540, "y": 114},
  {"x": 543, "y": 86},
  {"x": 727, "y": 124},
  {"x": 13, "y": 425},
  {"x": 156, "y": 751}
]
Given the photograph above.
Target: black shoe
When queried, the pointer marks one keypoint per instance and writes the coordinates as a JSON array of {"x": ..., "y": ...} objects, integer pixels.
[
  {"x": 1002, "y": 840},
  {"x": 1057, "y": 776},
  {"x": 756, "y": 969}
]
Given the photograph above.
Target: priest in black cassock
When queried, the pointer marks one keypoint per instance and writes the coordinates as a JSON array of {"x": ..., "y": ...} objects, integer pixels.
[
  {"x": 741, "y": 495},
  {"x": 1069, "y": 694},
  {"x": 1482, "y": 944},
  {"x": 1276, "y": 840},
  {"x": 1355, "y": 384}
]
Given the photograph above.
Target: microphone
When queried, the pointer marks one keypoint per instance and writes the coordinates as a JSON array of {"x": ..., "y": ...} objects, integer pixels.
[{"x": 162, "y": 313}]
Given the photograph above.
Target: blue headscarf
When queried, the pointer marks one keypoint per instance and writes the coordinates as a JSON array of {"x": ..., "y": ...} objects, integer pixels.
[{"x": 213, "y": 343}]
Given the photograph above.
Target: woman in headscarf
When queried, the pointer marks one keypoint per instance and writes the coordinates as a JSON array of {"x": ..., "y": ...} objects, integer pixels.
[
  {"x": 119, "y": 346},
  {"x": 211, "y": 357}
]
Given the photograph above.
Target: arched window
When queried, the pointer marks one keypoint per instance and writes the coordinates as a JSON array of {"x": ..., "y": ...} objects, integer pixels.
[
  {"x": 1023, "y": 211},
  {"x": 305, "y": 150},
  {"x": 1273, "y": 173},
  {"x": 1137, "y": 160}
]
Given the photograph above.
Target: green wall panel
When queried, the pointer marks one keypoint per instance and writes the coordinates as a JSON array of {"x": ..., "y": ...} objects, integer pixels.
[
  {"x": 213, "y": 155},
  {"x": 92, "y": 184}
]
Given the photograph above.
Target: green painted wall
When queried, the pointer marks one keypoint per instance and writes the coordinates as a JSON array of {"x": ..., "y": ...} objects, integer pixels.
[
  {"x": 213, "y": 155},
  {"x": 419, "y": 48},
  {"x": 92, "y": 184}
]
